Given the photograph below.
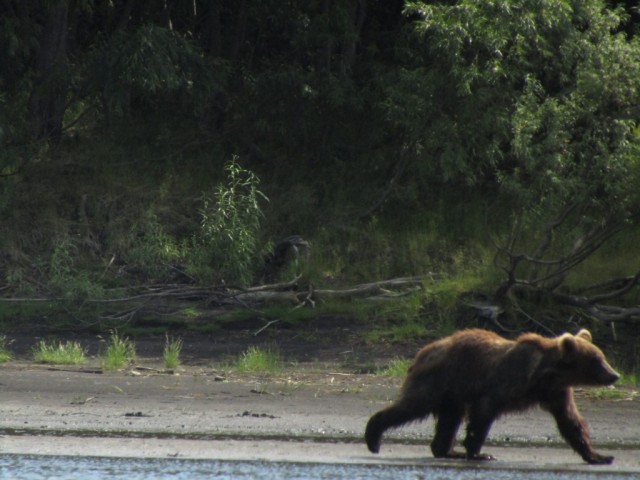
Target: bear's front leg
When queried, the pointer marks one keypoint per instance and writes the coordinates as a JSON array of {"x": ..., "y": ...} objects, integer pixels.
[{"x": 574, "y": 428}]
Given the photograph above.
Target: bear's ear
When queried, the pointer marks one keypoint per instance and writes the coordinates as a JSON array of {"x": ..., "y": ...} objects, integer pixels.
[
  {"x": 585, "y": 335},
  {"x": 567, "y": 343}
]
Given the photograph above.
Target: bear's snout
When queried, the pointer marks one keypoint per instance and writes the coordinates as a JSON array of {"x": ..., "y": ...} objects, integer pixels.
[{"x": 608, "y": 375}]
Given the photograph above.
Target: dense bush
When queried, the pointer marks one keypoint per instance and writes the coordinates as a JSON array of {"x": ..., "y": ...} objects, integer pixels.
[{"x": 494, "y": 139}]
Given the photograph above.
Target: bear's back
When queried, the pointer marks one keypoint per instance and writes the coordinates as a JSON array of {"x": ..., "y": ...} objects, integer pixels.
[
  {"x": 471, "y": 344},
  {"x": 474, "y": 363}
]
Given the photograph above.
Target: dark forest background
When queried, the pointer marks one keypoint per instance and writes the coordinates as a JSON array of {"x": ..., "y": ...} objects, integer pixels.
[{"x": 491, "y": 149}]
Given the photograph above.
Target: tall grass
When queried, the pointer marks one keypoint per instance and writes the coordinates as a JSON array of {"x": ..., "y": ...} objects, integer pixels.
[
  {"x": 171, "y": 353},
  {"x": 259, "y": 360},
  {"x": 5, "y": 352},
  {"x": 119, "y": 353},
  {"x": 59, "y": 353}
]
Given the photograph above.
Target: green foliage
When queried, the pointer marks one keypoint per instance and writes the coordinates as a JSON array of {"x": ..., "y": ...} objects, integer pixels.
[
  {"x": 629, "y": 380},
  {"x": 394, "y": 331},
  {"x": 5, "y": 351},
  {"x": 152, "y": 249},
  {"x": 259, "y": 360},
  {"x": 59, "y": 353},
  {"x": 397, "y": 367},
  {"x": 532, "y": 93},
  {"x": 119, "y": 352},
  {"x": 61, "y": 266},
  {"x": 539, "y": 99},
  {"x": 610, "y": 393},
  {"x": 227, "y": 250},
  {"x": 68, "y": 280},
  {"x": 395, "y": 321},
  {"x": 149, "y": 64},
  {"x": 610, "y": 261},
  {"x": 396, "y": 138},
  {"x": 17, "y": 279},
  {"x": 171, "y": 353}
]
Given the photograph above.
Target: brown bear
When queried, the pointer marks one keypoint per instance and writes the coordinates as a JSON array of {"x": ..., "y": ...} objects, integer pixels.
[{"x": 478, "y": 375}]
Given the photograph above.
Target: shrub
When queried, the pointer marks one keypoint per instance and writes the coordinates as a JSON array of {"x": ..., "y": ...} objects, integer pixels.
[{"x": 230, "y": 223}]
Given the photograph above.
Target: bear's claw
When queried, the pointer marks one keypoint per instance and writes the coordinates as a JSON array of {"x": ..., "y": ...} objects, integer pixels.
[
  {"x": 481, "y": 457},
  {"x": 597, "y": 459}
]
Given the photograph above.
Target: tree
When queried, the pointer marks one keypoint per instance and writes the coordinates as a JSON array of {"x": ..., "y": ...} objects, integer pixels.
[
  {"x": 358, "y": 105},
  {"x": 538, "y": 98}
]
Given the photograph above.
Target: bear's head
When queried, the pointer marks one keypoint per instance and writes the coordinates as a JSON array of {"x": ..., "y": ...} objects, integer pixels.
[{"x": 582, "y": 363}]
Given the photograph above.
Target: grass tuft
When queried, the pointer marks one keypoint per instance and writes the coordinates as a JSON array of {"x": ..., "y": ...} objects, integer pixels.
[
  {"x": 172, "y": 350},
  {"x": 258, "y": 360},
  {"x": 120, "y": 352},
  {"x": 610, "y": 393},
  {"x": 628, "y": 380},
  {"x": 5, "y": 353},
  {"x": 59, "y": 353},
  {"x": 398, "y": 367}
]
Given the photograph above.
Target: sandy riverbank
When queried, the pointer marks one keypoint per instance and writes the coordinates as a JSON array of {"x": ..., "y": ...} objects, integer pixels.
[{"x": 295, "y": 416}]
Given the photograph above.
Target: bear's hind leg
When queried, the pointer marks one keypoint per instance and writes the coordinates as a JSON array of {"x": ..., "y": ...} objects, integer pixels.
[
  {"x": 403, "y": 411},
  {"x": 480, "y": 421},
  {"x": 449, "y": 419}
]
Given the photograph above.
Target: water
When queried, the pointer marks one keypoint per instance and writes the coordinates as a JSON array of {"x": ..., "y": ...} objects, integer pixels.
[{"x": 35, "y": 467}]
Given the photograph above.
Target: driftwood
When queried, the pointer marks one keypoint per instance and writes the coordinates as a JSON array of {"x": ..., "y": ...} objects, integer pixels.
[
  {"x": 278, "y": 294},
  {"x": 286, "y": 293},
  {"x": 375, "y": 291}
]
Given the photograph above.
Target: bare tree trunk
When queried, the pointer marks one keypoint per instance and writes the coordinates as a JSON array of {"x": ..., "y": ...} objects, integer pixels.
[
  {"x": 48, "y": 97},
  {"x": 326, "y": 52},
  {"x": 214, "y": 29},
  {"x": 241, "y": 28},
  {"x": 123, "y": 18},
  {"x": 350, "y": 44}
]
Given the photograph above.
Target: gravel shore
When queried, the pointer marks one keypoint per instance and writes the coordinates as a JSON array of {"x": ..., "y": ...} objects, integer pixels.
[{"x": 293, "y": 416}]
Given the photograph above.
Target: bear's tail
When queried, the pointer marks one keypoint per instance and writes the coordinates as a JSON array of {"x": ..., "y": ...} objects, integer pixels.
[{"x": 394, "y": 416}]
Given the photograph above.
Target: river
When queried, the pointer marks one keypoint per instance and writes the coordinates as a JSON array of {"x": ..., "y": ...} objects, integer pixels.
[{"x": 41, "y": 467}]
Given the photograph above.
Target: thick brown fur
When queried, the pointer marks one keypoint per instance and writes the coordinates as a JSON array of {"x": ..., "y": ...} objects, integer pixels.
[{"x": 477, "y": 375}]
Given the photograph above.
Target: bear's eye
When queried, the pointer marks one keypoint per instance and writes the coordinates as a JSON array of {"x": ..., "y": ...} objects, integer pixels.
[
  {"x": 595, "y": 364},
  {"x": 567, "y": 363}
]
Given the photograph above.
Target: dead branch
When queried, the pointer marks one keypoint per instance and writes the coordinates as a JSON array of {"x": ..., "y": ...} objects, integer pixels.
[
  {"x": 285, "y": 291},
  {"x": 375, "y": 289},
  {"x": 369, "y": 290},
  {"x": 247, "y": 299},
  {"x": 260, "y": 330},
  {"x": 549, "y": 273},
  {"x": 548, "y": 235},
  {"x": 617, "y": 293},
  {"x": 614, "y": 283},
  {"x": 605, "y": 313},
  {"x": 275, "y": 286},
  {"x": 275, "y": 294}
]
